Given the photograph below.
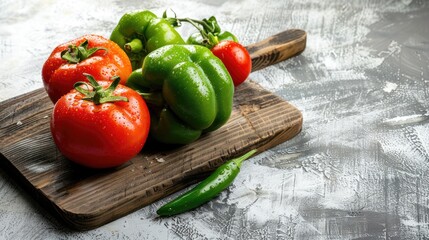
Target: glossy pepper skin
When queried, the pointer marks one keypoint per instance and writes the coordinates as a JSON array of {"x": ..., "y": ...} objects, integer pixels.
[
  {"x": 218, "y": 181},
  {"x": 141, "y": 32},
  {"x": 188, "y": 89}
]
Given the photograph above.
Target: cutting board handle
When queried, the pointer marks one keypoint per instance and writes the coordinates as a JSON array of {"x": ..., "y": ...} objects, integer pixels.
[{"x": 277, "y": 48}]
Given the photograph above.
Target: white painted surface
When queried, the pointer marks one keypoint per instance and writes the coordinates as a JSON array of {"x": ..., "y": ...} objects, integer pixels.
[{"x": 359, "y": 168}]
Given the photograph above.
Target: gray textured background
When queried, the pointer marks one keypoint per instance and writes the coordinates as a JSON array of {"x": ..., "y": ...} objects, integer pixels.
[{"x": 358, "y": 170}]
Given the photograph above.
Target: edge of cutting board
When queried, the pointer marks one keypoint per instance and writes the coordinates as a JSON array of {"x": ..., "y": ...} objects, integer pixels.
[{"x": 87, "y": 199}]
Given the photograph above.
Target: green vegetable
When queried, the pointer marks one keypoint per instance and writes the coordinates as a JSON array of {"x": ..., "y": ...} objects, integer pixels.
[
  {"x": 219, "y": 180},
  {"x": 188, "y": 89},
  {"x": 141, "y": 32}
]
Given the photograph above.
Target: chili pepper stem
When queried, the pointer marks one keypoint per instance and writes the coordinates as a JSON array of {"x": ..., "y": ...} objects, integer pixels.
[
  {"x": 207, "y": 189},
  {"x": 240, "y": 159}
]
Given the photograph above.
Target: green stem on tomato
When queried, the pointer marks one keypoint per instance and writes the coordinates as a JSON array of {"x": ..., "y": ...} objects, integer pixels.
[
  {"x": 208, "y": 28},
  {"x": 210, "y": 40},
  {"x": 76, "y": 54},
  {"x": 99, "y": 95},
  {"x": 205, "y": 26}
]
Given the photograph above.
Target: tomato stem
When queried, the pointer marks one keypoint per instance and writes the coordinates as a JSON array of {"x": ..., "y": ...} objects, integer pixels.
[
  {"x": 76, "y": 54},
  {"x": 99, "y": 95},
  {"x": 208, "y": 28},
  {"x": 207, "y": 32}
]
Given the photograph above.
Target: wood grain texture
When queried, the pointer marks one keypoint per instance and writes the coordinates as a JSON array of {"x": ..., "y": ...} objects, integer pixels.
[
  {"x": 277, "y": 48},
  {"x": 87, "y": 198},
  {"x": 357, "y": 170}
]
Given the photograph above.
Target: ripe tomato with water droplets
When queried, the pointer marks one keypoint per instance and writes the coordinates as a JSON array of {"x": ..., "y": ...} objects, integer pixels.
[
  {"x": 236, "y": 59},
  {"x": 93, "y": 54},
  {"x": 100, "y": 135}
]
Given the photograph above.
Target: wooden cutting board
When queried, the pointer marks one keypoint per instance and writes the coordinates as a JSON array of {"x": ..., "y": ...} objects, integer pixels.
[{"x": 86, "y": 198}]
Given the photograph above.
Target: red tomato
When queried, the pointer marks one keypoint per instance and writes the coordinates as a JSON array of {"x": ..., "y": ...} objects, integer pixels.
[
  {"x": 235, "y": 58},
  {"x": 59, "y": 74},
  {"x": 104, "y": 135}
]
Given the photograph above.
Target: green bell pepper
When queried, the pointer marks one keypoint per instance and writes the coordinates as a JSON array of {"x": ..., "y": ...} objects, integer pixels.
[
  {"x": 188, "y": 89},
  {"x": 141, "y": 32}
]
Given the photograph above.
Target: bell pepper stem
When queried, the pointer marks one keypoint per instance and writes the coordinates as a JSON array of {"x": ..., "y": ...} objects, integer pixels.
[
  {"x": 153, "y": 98},
  {"x": 134, "y": 46}
]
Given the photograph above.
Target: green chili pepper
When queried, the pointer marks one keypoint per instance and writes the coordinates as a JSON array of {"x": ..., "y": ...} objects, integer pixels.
[
  {"x": 141, "y": 32},
  {"x": 219, "y": 180},
  {"x": 188, "y": 89}
]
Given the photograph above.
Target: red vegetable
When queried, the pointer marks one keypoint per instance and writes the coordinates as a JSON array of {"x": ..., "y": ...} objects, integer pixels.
[
  {"x": 90, "y": 54},
  {"x": 101, "y": 128},
  {"x": 224, "y": 45},
  {"x": 235, "y": 58}
]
